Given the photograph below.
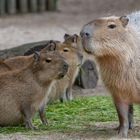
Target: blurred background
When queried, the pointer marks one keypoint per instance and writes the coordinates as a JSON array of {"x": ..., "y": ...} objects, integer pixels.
[
  {"x": 64, "y": 16},
  {"x": 25, "y": 21}
]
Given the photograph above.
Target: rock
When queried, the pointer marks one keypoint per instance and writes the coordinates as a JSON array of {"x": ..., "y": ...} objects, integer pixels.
[
  {"x": 88, "y": 75},
  {"x": 20, "y": 50}
]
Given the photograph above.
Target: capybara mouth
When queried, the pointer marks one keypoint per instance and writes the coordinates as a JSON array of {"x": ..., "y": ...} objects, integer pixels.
[
  {"x": 86, "y": 45},
  {"x": 61, "y": 75}
]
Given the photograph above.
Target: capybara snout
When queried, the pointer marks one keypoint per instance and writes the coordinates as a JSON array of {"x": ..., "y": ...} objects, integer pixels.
[
  {"x": 65, "y": 67},
  {"x": 87, "y": 31}
]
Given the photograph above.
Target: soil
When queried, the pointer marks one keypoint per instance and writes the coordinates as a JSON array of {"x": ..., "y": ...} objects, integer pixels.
[{"x": 70, "y": 17}]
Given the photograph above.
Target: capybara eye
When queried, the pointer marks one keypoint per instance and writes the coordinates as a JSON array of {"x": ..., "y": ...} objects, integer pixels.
[
  {"x": 65, "y": 49},
  {"x": 48, "y": 60},
  {"x": 112, "y": 26}
]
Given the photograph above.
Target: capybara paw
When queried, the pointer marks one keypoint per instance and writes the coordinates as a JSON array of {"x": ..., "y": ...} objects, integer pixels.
[
  {"x": 123, "y": 133},
  {"x": 31, "y": 127},
  {"x": 117, "y": 128},
  {"x": 45, "y": 122}
]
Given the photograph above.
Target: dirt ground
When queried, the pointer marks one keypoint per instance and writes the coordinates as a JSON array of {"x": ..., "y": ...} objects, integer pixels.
[{"x": 70, "y": 17}]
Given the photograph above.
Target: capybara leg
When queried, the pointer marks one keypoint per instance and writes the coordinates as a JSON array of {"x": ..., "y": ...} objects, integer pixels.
[
  {"x": 69, "y": 94},
  {"x": 27, "y": 115},
  {"x": 130, "y": 116},
  {"x": 42, "y": 115},
  {"x": 122, "y": 110},
  {"x": 63, "y": 97}
]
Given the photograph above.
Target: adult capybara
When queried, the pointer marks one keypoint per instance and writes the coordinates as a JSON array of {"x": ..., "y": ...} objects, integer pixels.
[
  {"x": 24, "y": 90},
  {"x": 115, "y": 44}
]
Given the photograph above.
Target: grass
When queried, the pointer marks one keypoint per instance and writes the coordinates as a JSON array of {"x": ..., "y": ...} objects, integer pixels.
[{"x": 77, "y": 115}]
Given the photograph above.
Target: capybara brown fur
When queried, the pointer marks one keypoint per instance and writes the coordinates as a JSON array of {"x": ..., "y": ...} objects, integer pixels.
[
  {"x": 115, "y": 44},
  {"x": 4, "y": 67},
  {"x": 21, "y": 61},
  {"x": 70, "y": 50},
  {"x": 23, "y": 91}
]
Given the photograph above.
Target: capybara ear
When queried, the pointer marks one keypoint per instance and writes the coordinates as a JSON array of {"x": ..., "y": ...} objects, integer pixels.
[
  {"x": 124, "y": 20},
  {"x": 37, "y": 56},
  {"x": 66, "y": 36},
  {"x": 51, "y": 46},
  {"x": 75, "y": 38}
]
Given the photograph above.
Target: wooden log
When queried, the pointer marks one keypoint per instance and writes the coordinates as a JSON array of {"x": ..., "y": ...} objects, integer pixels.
[
  {"x": 2, "y": 7},
  {"x": 52, "y": 5},
  {"x": 42, "y": 5},
  {"x": 11, "y": 6},
  {"x": 23, "y": 6},
  {"x": 33, "y": 5}
]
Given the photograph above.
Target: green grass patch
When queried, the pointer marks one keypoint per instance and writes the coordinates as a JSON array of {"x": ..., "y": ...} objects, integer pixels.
[{"x": 76, "y": 115}]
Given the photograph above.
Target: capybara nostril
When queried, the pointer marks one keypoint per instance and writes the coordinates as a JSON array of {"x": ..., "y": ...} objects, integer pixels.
[
  {"x": 65, "y": 66},
  {"x": 85, "y": 34}
]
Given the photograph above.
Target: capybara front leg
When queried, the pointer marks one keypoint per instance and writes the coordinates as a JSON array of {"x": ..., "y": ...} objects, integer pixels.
[
  {"x": 42, "y": 115},
  {"x": 27, "y": 116},
  {"x": 69, "y": 94},
  {"x": 122, "y": 110},
  {"x": 130, "y": 116}
]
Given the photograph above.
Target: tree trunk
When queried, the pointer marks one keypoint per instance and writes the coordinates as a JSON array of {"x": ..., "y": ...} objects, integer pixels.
[
  {"x": 42, "y": 5},
  {"x": 11, "y": 6},
  {"x": 33, "y": 5},
  {"x": 23, "y": 6},
  {"x": 2, "y": 7},
  {"x": 52, "y": 5}
]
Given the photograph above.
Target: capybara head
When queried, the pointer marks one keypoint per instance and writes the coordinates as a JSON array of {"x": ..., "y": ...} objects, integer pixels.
[
  {"x": 51, "y": 65},
  {"x": 108, "y": 36},
  {"x": 70, "y": 49}
]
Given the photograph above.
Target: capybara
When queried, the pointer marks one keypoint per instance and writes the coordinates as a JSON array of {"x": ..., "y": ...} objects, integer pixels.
[
  {"x": 72, "y": 51},
  {"x": 114, "y": 42},
  {"x": 23, "y": 91}
]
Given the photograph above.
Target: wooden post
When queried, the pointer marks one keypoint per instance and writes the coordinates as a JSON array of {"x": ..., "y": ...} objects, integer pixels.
[
  {"x": 11, "y": 6},
  {"x": 42, "y": 5},
  {"x": 33, "y": 5},
  {"x": 52, "y": 5},
  {"x": 23, "y": 6},
  {"x": 2, "y": 7}
]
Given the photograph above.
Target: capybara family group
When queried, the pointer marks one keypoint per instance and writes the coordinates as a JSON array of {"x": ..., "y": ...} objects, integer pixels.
[{"x": 46, "y": 73}]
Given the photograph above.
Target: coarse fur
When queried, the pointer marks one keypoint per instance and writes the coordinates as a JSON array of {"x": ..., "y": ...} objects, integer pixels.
[
  {"x": 70, "y": 49},
  {"x": 19, "y": 62},
  {"x": 115, "y": 44},
  {"x": 22, "y": 91}
]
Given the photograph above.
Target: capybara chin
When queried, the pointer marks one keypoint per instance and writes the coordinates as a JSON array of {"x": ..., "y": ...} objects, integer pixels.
[
  {"x": 115, "y": 44},
  {"x": 23, "y": 91}
]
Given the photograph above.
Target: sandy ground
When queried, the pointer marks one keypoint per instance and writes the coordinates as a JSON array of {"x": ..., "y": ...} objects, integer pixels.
[{"x": 70, "y": 17}]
